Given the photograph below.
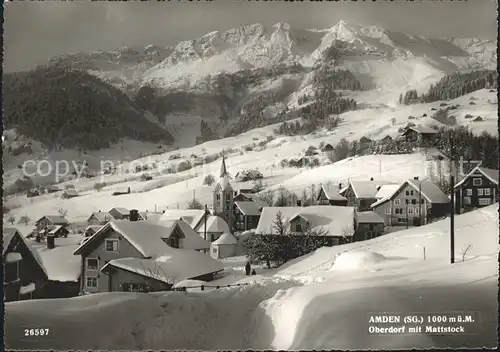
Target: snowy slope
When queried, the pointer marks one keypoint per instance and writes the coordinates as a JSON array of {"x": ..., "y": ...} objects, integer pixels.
[{"x": 320, "y": 301}]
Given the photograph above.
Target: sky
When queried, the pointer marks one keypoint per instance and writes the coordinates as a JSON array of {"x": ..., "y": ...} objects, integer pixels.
[{"x": 37, "y": 31}]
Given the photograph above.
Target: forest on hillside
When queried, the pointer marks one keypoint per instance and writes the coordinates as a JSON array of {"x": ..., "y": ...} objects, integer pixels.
[
  {"x": 453, "y": 86},
  {"x": 72, "y": 109}
]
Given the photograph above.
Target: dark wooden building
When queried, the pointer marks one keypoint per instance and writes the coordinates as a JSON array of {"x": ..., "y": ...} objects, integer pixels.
[
  {"x": 330, "y": 195},
  {"x": 419, "y": 134},
  {"x": 477, "y": 189},
  {"x": 367, "y": 225},
  {"x": 246, "y": 215}
]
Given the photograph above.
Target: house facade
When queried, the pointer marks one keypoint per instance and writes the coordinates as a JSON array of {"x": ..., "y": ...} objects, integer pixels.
[
  {"x": 119, "y": 213},
  {"x": 330, "y": 196},
  {"x": 121, "y": 279},
  {"x": 50, "y": 220},
  {"x": 246, "y": 215},
  {"x": 414, "y": 203},
  {"x": 362, "y": 194},
  {"x": 367, "y": 225},
  {"x": 24, "y": 273},
  {"x": 477, "y": 189},
  {"x": 419, "y": 134}
]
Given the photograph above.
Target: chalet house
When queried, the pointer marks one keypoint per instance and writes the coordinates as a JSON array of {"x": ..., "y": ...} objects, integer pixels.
[
  {"x": 152, "y": 216},
  {"x": 143, "y": 256},
  {"x": 335, "y": 222},
  {"x": 215, "y": 227},
  {"x": 119, "y": 213},
  {"x": 386, "y": 139},
  {"x": 246, "y": 215},
  {"x": 100, "y": 218},
  {"x": 330, "y": 195},
  {"x": 50, "y": 220},
  {"x": 419, "y": 134},
  {"x": 367, "y": 225},
  {"x": 24, "y": 273},
  {"x": 477, "y": 189},
  {"x": 225, "y": 246},
  {"x": 361, "y": 194},
  {"x": 415, "y": 202},
  {"x": 55, "y": 230},
  {"x": 69, "y": 193},
  {"x": 327, "y": 148}
]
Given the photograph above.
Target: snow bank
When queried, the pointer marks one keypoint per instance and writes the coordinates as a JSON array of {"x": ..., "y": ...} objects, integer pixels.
[{"x": 357, "y": 260}]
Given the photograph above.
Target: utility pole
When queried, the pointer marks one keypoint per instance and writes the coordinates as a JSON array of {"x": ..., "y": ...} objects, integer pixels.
[
  {"x": 205, "y": 221},
  {"x": 420, "y": 222},
  {"x": 452, "y": 203}
]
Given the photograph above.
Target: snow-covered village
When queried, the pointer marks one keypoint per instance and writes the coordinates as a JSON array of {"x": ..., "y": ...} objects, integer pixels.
[{"x": 251, "y": 187}]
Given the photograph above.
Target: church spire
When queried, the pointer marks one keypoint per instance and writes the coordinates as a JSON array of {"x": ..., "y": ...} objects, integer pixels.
[{"x": 223, "y": 169}]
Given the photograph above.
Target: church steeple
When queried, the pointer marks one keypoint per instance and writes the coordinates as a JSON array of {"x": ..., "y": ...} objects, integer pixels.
[{"x": 223, "y": 169}]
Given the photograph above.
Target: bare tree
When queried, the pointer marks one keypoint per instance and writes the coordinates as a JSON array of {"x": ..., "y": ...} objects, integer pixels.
[
  {"x": 25, "y": 219},
  {"x": 62, "y": 212},
  {"x": 209, "y": 180},
  {"x": 11, "y": 219},
  {"x": 267, "y": 197},
  {"x": 279, "y": 224},
  {"x": 464, "y": 251},
  {"x": 347, "y": 232},
  {"x": 195, "y": 204},
  {"x": 158, "y": 273}
]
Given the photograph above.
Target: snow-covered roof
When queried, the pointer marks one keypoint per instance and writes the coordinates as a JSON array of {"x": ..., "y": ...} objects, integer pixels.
[
  {"x": 102, "y": 216},
  {"x": 490, "y": 174},
  {"x": 9, "y": 234},
  {"x": 368, "y": 217},
  {"x": 54, "y": 219},
  {"x": 332, "y": 193},
  {"x": 386, "y": 191},
  {"x": 249, "y": 208},
  {"x": 121, "y": 210},
  {"x": 429, "y": 190},
  {"x": 422, "y": 129},
  {"x": 13, "y": 257},
  {"x": 94, "y": 228},
  {"x": 173, "y": 266},
  {"x": 333, "y": 219},
  {"x": 366, "y": 189},
  {"x": 215, "y": 224},
  {"x": 60, "y": 263},
  {"x": 225, "y": 239},
  {"x": 191, "y": 216},
  {"x": 148, "y": 237}
]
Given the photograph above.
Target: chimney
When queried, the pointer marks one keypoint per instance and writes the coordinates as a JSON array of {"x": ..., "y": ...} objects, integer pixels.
[
  {"x": 51, "y": 241},
  {"x": 415, "y": 178},
  {"x": 134, "y": 215},
  {"x": 340, "y": 185}
]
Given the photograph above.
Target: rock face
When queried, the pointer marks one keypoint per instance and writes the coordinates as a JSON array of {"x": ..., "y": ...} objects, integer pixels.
[{"x": 254, "y": 75}]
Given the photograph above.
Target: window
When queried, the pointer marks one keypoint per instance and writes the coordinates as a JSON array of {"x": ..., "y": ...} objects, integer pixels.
[
  {"x": 214, "y": 250},
  {"x": 484, "y": 201},
  {"x": 387, "y": 210},
  {"x": 413, "y": 201},
  {"x": 407, "y": 192},
  {"x": 479, "y": 191},
  {"x": 298, "y": 228},
  {"x": 92, "y": 264},
  {"x": 217, "y": 197},
  {"x": 173, "y": 242},
  {"x": 397, "y": 201},
  {"x": 398, "y": 211},
  {"x": 417, "y": 211},
  {"x": 370, "y": 226},
  {"x": 411, "y": 193},
  {"x": 133, "y": 287},
  {"x": 410, "y": 210},
  {"x": 91, "y": 282},
  {"x": 335, "y": 241},
  {"x": 11, "y": 272},
  {"x": 111, "y": 245},
  {"x": 467, "y": 201},
  {"x": 468, "y": 192},
  {"x": 421, "y": 201},
  {"x": 477, "y": 181},
  {"x": 487, "y": 192}
]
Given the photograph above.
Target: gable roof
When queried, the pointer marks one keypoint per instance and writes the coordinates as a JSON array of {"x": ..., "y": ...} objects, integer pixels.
[
  {"x": 175, "y": 265},
  {"x": 54, "y": 219},
  {"x": 223, "y": 169},
  {"x": 192, "y": 240},
  {"x": 333, "y": 219},
  {"x": 101, "y": 216},
  {"x": 490, "y": 174},
  {"x": 366, "y": 189},
  {"x": 429, "y": 190},
  {"x": 421, "y": 129},
  {"x": 368, "y": 217},
  {"x": 214, "y": 224},
  {"x": 249, "y": 208},
  {"x": 223, "y": 184},
  {"x": 121, "y": 210},
  {"x": 225, "y": 239},
  {"x": 9, "y": 233},
  {"x": 192, "y": 216},
  {"x": 332, "y": 193},
  {"x": 386, "y": 191},
  {"x": 94, "y": 228}
]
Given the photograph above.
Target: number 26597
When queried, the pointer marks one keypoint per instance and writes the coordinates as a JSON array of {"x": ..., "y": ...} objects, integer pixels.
[{"x": 36, "y": 332}]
